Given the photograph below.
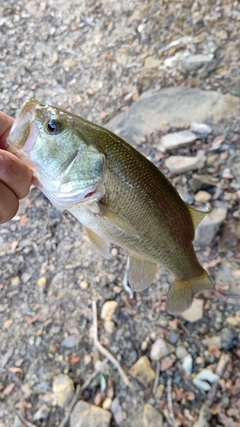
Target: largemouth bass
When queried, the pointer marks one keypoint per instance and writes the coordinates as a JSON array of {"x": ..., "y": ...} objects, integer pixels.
[{"x": 116, "y": 193}]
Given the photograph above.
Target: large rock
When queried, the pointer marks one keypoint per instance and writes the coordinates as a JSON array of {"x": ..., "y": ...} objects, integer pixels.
[
  {"x": 151, "y": 417},
  {"x": 174, "y": 106},
  {"x": 143, "y": 371},
  {"x": 87, "y": 415},
  {"x": 207, "y": 229},
  {"x": 63, "y": 389}
]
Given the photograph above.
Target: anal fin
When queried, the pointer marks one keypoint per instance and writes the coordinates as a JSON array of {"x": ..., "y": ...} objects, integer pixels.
[
  {"x": 141, "y": 273},
  {"x": 100, "y": 244}
]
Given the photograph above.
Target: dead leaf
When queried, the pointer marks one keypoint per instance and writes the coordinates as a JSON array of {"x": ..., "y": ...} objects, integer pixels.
[
  {"x": 166, "y": 363},
  {"x": 218, "y": 140},
  {"x": 74, "y": 359},
  {"x": 14, "y": 246},
  {"x": 31, "y": 320},
  {"x": 9, "y": 389},
  {"x": 23, "y": 405},
  {"x": 23, "y": 220},
  {"x": 16, "y": 370}
]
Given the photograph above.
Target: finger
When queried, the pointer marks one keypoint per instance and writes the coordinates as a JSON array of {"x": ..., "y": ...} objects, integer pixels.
[
  {"x": 15, "y": 174},
  {"x": 5, "y": 126},
  {"x": 8, "y": 203}
]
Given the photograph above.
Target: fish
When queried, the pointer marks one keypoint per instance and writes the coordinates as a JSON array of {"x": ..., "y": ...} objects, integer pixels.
[{"x": 116, "y": 193}]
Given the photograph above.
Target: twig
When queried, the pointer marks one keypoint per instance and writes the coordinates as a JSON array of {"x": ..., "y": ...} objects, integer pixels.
[
  {"x": 104, "y": 351},
  {"x": 156, "y": 378},
  {"x": 24, "y": 421},
  {"x": 170, "y": 406},
  {"x": 221, "y": 367},
  {"x": 70, "y": 407}
]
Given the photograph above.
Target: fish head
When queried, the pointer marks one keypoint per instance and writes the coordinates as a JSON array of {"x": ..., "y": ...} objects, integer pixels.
[{"x": 66, "y": 168}]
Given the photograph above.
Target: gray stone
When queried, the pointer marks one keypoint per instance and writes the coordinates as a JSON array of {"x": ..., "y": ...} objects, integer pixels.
[
  {"x": 181, "y": 164},
  {"x": 86, "y": 415},
  {"x": 151, "y": 417},
  {"x": 70, "y": 341},
  {"x": 177, "y": 139},
  {"x": 42, "y": 413},
  {"x": 175, "y": 106},
  {"x": 194, "y": 62},
  {"x": 208, "y": 228},
  {"x": 200, "y": 128},
  {"x": 230, "y": 238}
]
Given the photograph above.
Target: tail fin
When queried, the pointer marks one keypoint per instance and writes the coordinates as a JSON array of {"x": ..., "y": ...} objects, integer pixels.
[{"x": 181, "y": 293}]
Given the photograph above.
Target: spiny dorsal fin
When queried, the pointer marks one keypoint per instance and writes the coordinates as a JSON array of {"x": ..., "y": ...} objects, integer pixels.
[{"x": 197, "y": 216}]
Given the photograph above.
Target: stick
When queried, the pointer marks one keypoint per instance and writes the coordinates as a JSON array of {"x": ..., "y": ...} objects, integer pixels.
[
  {"x": 24, "y": 421},
  {"x": 104, "y": 351},
  {"x": 156, "y": 378},
  {"x": 70, "y": 408},
  {"x": 170, "y": 407}
]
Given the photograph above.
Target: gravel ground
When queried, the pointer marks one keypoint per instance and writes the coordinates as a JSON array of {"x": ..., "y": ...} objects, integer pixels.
[{"x": 96, "y": 59}]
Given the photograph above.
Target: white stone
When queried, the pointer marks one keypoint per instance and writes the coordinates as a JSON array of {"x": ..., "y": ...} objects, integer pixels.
[
  {"x": 181, "y": 164},
  {"x": 177, "y": 139},
  {"x": 202, "y": 385},
  {"x": 187, "y": 363},
  {"x": 195, "y": 312},
  {"x": 207, "y": 375},
  {"x": 159, "y": 349}
]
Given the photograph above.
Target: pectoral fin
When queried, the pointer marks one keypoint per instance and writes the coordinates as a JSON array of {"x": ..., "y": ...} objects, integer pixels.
[
  {"x": 141, "y": 273},
  {"x": 98, "y": 242},
  {"x": 116, "y": 220}
]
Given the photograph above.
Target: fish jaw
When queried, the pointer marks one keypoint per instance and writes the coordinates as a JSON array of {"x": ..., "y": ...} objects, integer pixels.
[{"x": 24, "y": 131}]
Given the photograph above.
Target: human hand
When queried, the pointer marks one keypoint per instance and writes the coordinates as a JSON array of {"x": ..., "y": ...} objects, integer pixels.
[{"x": 15, "y": 177}]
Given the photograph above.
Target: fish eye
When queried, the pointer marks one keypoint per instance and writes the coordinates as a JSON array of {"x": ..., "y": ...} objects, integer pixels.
[{"x": 53, "y": 126}]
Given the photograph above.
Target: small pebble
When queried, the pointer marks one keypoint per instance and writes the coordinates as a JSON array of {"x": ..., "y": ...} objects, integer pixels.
[
  {"x": 107, "y": 403},
  {"x": 108, "y": 309},
  {"x": 84, "y": 284},
  {"x": 202, "y": 196}
]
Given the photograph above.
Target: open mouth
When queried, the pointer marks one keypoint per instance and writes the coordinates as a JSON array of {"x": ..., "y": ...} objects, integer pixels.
[{"x": 24, "y": 131}]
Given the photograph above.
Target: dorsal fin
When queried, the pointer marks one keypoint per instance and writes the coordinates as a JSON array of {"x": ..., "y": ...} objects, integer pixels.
[{"x": 197, "y": 216}]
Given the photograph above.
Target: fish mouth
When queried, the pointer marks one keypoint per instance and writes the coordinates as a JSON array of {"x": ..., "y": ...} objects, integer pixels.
[{"x": 24, "y": 131}]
